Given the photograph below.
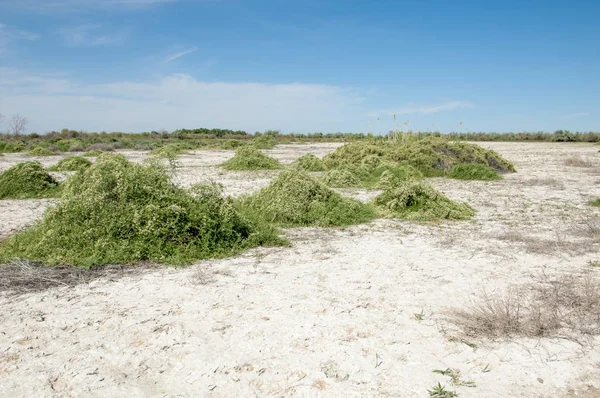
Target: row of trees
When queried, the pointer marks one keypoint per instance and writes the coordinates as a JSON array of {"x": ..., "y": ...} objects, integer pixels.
[{"x": 16, "y": 125}]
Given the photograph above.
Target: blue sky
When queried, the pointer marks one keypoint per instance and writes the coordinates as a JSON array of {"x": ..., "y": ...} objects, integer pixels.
[{"x": 138, "y": 65}]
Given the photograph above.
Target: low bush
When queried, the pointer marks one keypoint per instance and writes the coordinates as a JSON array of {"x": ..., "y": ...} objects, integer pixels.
[
  {"x": 595, "y": 202},
  {"x": 263, "y": 142},
  {"x": 39, "y": 151},
  {"x": 391, "y": 175},
  {"x": 341, "y": 178},
  {"x": 296, "y": 199},
  {"x": 120, "y": 212},
  {"x": 12, "y": 146},
  {"x": 417, "y": 201},
  {"x": 250, "y": 158},
  {"x": 72, "y": 163},
  {"x": 27, "y": 180},
  {"x": 231, "y": 144},
  {"x": 473, "y": 171},
  {"x": 93, "y": 153},
  {"x": 171, "y": 150},
  {"x": 308, "y": 162}
]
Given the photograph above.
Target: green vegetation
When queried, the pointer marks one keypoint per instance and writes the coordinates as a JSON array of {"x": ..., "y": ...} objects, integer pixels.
[
  {"x": 39, "y": 151},
  {"x": 439, "y": 391},
  {"x": 390, "y": 175},
  {"x": 308, "y": 162},
  {"x": 431, "y": 156},
  {"x": 93, "y": 153},
  {"x": 27, "y": 180},
  {"x": 72, "y": 163},
  {"x": 418, "y": 201},
  {"x": 250, "y": 158},
  {"x": 296, "y": 199},
  {"x": 595, "y": 202},
  {"x": 341, "y": 178},
  {"x": 231, "y": 144},
  {"x": 264, "y": 142},
  {"x": 12, "y": 146},
  {"x": 118, "y": 212},
  {"x": 472, "y": 171},
  {"x": 171, "y": 150}
]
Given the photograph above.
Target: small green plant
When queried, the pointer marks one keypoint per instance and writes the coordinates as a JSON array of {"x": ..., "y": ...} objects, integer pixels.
[
  {"x": 308, "y": 162},
  {"x": 340, "y": 178},
  {"x": 595, "y": 202},
  {"x": 39, "y": 151},
  {"x": 296, "y": 199},
  {"x": 93, "y": 153},
  {"x": 71, "y": 163},
  {"x": 119, "y": 212},
  {"x": 250, "y": 158},
  {"x": 473, "y": 171},
  {"x": 27, "y": 180},
  {"x": 455, "y": 377},
  {"x": 486, "y": 369},
  {"x": 417, "y": 201},
  {"x": 420, "y": 316},
  {"x": 439, "y": 391},
  {"x": 594, "y": 264}
]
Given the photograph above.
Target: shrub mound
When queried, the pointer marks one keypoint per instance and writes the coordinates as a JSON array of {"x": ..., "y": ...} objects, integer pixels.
[
  {"x": 431, "y": 156},
  {"x": 250, "y": 158},
  {"x": 341, "y": 178},
  {"x": 308, "y": 162},
  {"x": 27, "y": 180},
  {"x": 473, "y": 171},
  {"x": 39, "y": 151},
  {"x": 391, "y": 175},
  {"x": 418, "y": 201},
  {"x": 12, "y": 146},
  {"x": 119, "y": 212},
  {"x": 72, "y": 163},
  {"x": 296, "y": 199},
  {"x": 263, "y": 142},
  {"x": 93, "y": 153},
  {"x": 231, "y": 144},
  {"x": 170, "y": 150}
]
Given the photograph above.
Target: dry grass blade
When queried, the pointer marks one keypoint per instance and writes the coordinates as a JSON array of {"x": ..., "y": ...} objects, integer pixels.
[{"x": 578, "y": 161}]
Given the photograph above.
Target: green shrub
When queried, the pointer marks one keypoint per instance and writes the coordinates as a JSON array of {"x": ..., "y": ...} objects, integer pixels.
[
  {"x": 473, "y": 171},
  {"x": 27, "y": 180},
  {"x": 67, "y": 145},
  {"x": 72, "y": 163},
  {"x": 308, "y": 162},
  {"x": 93, "y": 153},
  {"x": 250, "y": 158},
  {"x": 371, "y": 162},
  {"x": 341, "y": 178},
  {"x": 431, "y": 156},
  {"x": 171, "y": 150},
  {"x": 296, "y": 199},
  {"x": 39, "y": 151},
  {"x": 12, "y": 146},
  {"x": 415, "y": 200},
  {"x": 391, "y": 175},
  {"x": 118, "y": 212},
  {"x": 263, "y": 142},
  {"x": 231, "y": 144},
  {"x": 595, "y": 202}
]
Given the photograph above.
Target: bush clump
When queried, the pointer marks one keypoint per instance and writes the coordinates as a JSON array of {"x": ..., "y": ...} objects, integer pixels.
[
  {"x": 170, "y": 150},
  {"x": 473, "y": 171},
  {"x": 263, "y": 142},
  {"x": 118, "y": 212},
  {"x": 27, "y": 180},
  {"x": 93, "y": 153},
  {"x": 341, "y": 178},
  {"x": 39, "y": 151},
  {"x": 231, "y": 144},
  {"x": 418, "y": 201},
  {"x": 296, "y": 199},
  {"x": 308, "y": 162},
  {"x": 595, "y": 202},
  {"x": 431, "y": 156},
  {"x": 250, "y": 158},
  {"x": 72, "y": 163},
  {"x": 12, "y": 146},
  {"x": 391, "y": 175}
]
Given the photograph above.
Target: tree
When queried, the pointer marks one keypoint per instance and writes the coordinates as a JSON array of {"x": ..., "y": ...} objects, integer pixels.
[{"x": 17, "y": 124}]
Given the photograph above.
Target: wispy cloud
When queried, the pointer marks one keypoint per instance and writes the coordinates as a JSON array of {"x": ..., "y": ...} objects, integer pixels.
[
  {"x": 89, "y": 35},
  {"x": 9, "y": 35},
  {"x": 173, "y": 57},
  {"x": 173, "y": 102},
  {"x": 423, "y": 109}
]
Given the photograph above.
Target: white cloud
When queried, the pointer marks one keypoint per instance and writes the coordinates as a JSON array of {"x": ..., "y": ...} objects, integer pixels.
[
  {"x": 89, "y": 35},
  {"x": 176, "y": 101},
  {"x": 180, "y": 54},
  {"x": 423, "y": 109}
]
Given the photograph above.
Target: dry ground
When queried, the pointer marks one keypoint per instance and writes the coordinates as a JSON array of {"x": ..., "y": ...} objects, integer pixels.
[{"x": 332, "y": 315}]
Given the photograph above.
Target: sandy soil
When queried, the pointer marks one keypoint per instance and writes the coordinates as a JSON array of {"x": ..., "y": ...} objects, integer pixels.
[{"x": 332, "y": 315}]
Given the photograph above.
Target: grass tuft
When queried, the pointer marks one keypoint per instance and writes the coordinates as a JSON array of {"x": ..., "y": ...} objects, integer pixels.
[
  {"x": 296, "y": 199},
  {"x": 418, "y": 201},
  {"x": 595, "y": 202},
  {"x": 72, "y": 163},
  {"x": 27, "y": 180},
  {"x": 473, "y": 171},
  {"x": 39, "y": 151},
  {"x": 250, "y": 158},
  {"x": 119, "y": 212},
  {"x": 93, "y": 153},
  {"x": 308, "y": 162}
]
